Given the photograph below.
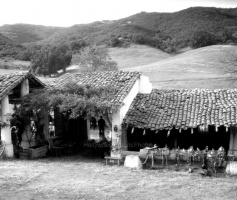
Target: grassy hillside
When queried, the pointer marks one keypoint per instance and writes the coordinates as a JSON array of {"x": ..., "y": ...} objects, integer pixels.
[
  {"x": 193, "y": 27},
  {"x": 136, "y": 55},
  {"x": 208, "y": 67},
  {"x": 25, "y": 33},
  {"x": 14, "y": 64}
]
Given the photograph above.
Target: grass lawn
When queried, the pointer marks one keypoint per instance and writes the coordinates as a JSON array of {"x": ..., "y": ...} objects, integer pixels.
[{"x": 77, "y": 177}]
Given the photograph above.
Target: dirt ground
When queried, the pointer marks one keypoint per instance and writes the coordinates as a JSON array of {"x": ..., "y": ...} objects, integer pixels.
[{"x": 77, "y": 177}]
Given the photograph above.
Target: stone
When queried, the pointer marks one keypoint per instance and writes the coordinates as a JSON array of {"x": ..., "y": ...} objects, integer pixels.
[
  {"x": 231, "y": 168},
  {"x": 133, "y": 162}
]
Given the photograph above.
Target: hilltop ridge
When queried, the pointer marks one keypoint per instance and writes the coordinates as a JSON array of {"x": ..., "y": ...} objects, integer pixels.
[{"x": 166, "y": 31}]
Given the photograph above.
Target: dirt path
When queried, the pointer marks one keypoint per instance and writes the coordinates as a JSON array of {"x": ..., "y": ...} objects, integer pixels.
[{"x": 80, "y": 178}]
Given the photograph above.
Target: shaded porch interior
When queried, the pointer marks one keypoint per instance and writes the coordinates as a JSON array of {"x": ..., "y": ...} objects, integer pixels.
[{"x": 197, "y": 138}]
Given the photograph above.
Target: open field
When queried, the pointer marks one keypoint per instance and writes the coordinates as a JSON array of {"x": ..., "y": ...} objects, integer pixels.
[
  {"x": 136, "y": 55},
  {"x": 14, "y": 64},
  {"x": 209, "y": 67},
  {"x": 78, "y": 177}
]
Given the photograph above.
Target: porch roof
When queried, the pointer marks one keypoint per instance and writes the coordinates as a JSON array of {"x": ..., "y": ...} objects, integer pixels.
[
  {"x": 122, "y": 80},
  {"x": 167, "y": 109},
  {"x": 10, "y": 81}
]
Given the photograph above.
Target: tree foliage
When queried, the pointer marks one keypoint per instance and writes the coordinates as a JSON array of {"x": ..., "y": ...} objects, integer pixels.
[
  {"x": 73, "y": 101},
  {"x": 29, "y": 113},
  {"x": 142, "y": 28},
  {"x": 202, "y": 39},
  {"x": 8, "y": 48},
  {"x": 48, "y": 60},
  {"x": 166, "y": 31},
  {"x": 94, "y": 58}
]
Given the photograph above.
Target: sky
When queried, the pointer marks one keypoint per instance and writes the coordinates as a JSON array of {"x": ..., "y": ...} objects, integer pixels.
[{"x": 65, "y": 13}]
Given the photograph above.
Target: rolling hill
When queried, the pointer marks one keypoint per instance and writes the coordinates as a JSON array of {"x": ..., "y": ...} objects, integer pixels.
[
  {"x": 25, "y": 33},
  {"x": 212, "y": 67},
  {"x": 4, "y": 40},
  {"x": 166, "y": 31},
  {"x": 136, "y": 55},
  {"x": 160, "y": 30},
  {"x": 8, "y": 48},
  {"x": 208, "y": 67}
]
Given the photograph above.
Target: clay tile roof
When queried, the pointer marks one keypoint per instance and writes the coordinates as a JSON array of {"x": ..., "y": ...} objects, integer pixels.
[
  {"x": 122, "y": 80},
  {"x": 10, "y": 81},
  {"x": 167, "y": 109}
]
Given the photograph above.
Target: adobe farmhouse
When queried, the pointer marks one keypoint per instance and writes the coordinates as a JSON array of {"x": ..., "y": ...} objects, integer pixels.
[{"x": 177, "y": 118}]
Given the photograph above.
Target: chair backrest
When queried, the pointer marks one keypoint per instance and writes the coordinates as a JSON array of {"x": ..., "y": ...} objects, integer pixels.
[
  {"x": 2, "y": 147},
  {"x": 51, "y": 144}
]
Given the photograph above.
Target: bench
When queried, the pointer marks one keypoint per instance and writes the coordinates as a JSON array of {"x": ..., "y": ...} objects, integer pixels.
[{"x": 118, "y": 159}]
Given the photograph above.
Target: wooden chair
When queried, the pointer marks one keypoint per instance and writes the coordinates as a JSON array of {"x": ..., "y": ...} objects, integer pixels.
[
  {"x": 2, "y": 147},
  {"x": 55, "y": 150}
]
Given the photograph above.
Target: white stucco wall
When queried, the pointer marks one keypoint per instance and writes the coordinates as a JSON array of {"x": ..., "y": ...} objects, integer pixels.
[
  {"x": 6, "y": 109},
  {"x": 142, "y": 85},
  {"x": 145, "y": 86}
]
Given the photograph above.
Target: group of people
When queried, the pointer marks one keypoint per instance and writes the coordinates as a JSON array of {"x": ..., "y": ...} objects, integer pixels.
[{"x": 101, "y": 125}]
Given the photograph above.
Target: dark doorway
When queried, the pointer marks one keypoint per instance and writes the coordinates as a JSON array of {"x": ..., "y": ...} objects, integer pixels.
[
  {"x": 200, "y": 139},
  {"x": 77, "y": 130}
]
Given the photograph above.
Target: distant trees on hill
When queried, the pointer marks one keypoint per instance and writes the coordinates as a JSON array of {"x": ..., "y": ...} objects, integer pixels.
[
  {"x": 195, "y": 27},
  {"x": 48, "y": 60},
  {"x": 166, "y": 31},
  {"x": 8, "y": 48},
  {"x": 94, "y": 58},
  {"x": 202, "y": 39}
]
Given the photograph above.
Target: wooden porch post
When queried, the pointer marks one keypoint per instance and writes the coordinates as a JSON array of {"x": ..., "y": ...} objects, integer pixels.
[
  {"x": 175, "y": 141},
  {"x": 231, "y": 144},
  {"x": 233, "y": 139},
  {"x": 235, "y": 142},
  {"x": 88, "y": 128}
]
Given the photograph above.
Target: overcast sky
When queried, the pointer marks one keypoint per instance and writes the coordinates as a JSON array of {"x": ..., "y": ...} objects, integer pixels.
[{"x": 69, "y": 12}]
